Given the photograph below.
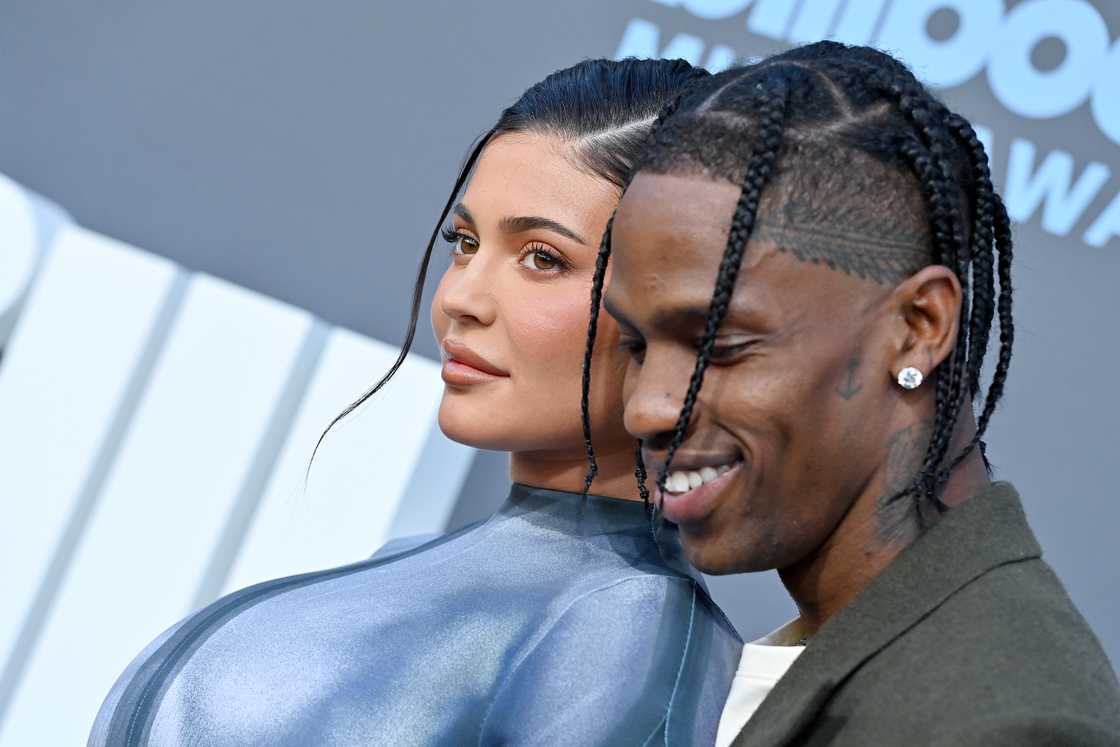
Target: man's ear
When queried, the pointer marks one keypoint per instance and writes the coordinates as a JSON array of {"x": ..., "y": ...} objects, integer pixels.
[{"x": 929, "y": 305}]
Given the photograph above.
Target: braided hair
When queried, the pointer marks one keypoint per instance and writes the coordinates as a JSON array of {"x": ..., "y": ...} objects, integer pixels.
[
  {"x": 601, "y": 108},
  {"x": 825, "y": 128},
  {"x": 598, "y": 278}
]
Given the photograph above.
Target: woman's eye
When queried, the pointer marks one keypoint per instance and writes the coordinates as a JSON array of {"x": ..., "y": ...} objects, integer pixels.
[
  {"x": 542, "y": 260},
  {"x": 465, "y": 245},
  {"x": 461, "y": 243}
]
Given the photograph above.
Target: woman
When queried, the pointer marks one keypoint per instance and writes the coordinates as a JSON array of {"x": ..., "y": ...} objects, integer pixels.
[{"x": 561, "y": 619}]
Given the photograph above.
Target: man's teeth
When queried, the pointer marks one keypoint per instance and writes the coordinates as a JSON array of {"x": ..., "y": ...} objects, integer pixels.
[{"x": 682, "y": 481}]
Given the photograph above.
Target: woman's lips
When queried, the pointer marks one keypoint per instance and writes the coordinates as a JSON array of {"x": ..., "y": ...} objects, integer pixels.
[
  {"x": 462, "y": 366},
  {"x": 461, "y": 374},
  {"x": 696, "y": 504}
]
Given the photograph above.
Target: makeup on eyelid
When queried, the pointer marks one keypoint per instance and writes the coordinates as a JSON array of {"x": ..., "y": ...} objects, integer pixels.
[{"x": 528, "y": 256}]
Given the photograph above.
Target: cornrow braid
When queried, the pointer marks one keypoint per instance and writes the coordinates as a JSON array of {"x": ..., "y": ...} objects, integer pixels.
[
  {"x": 994, "y": 228},
  {"x": 948, "y": 389},
  {"x": 1003, "y": 307},
  {"x": 935, "y": 175},
  {"x": 592, "y": 330},
  {"x": 974, "y": 270},
  {"x": 982, "y": 238},
  {"x": 1006, "y": 333},
  {"x": 598, "y": 279},
  {"x": 771, "y": 110},
  {"x": 640, "y": 479}
]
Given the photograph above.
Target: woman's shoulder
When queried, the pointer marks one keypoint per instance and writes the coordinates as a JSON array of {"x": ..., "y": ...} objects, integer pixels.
[
  {"x": 399, "y": 545},
  {"x": 651, "y": 644},
  {"x": 274, "y": 631},
  {"x": 651, "y": 596}
]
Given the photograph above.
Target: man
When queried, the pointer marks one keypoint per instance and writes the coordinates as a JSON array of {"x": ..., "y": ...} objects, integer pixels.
[{"x": 827, "y": 429}]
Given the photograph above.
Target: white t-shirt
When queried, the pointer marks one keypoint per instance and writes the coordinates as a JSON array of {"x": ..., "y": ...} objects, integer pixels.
[{"x": 761, "y": 665}]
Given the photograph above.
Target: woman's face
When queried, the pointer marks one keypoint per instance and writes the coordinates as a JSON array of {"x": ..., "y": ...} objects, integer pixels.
[{"x": 512, "y": 308}]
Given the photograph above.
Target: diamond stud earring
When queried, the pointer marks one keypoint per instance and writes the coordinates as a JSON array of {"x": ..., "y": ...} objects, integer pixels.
[{"x": 909, "y": 378}]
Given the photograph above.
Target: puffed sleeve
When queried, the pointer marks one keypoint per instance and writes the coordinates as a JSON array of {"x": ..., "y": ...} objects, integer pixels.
[{"x": 645, "y": 660}]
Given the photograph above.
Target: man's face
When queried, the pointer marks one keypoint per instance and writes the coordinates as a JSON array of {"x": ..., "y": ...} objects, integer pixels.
[{"x": 795, "y": 401}]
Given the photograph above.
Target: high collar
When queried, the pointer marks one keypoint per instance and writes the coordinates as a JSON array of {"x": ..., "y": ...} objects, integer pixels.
[
  {"x": 986, "y": 531},
  {"x": 623, "y": 523},
  {"x": 596, "y": 510}
]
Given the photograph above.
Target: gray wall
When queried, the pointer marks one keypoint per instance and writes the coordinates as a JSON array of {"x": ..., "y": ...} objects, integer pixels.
[{"x": 303, "y": 149}]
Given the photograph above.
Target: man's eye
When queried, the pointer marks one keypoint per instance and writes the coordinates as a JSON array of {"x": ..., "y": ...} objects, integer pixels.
[
  {"x": 729, "y": 349},
  {"x": 633, "y": 347}
]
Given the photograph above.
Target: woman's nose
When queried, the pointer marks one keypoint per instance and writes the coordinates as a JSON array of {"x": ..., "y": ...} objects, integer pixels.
[{"x": 466, "y": 295}]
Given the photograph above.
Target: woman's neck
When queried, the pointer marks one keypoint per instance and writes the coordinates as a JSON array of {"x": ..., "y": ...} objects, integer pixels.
[{"x": 567, "y": 470}]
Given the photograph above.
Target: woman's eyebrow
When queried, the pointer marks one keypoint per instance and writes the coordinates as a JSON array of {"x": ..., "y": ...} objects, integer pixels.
[
  {"x": 520, "y": 223},
  {"x": 461, "y": 211}
]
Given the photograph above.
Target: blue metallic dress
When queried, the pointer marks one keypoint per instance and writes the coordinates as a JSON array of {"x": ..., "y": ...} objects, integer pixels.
[{"x": 557, "y": 621}]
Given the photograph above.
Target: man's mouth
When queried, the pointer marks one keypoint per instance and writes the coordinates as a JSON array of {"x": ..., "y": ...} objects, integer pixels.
[{"x": 680, "y": 481}]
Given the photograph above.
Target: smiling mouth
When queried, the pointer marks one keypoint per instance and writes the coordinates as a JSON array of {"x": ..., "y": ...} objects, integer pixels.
[
  {"x": 692, "y": 494},
  {"x": 680, "y": 482}
]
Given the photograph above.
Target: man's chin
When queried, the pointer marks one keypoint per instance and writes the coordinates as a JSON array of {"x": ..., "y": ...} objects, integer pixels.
[
  {"x": 710, "y": 560},
  {"x": 714, "y": 557}
]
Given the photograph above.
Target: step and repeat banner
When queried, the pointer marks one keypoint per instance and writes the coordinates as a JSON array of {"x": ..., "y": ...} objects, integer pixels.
[{"x": 209, "y": 227}]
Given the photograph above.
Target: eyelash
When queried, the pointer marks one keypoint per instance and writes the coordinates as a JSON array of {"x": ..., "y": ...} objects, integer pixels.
[
  {"x": 454, "y": 237},
  {"x": 542, "y": 250},
  {"x": 729, "y": 351},
  {"x": 636, "y": 348}
]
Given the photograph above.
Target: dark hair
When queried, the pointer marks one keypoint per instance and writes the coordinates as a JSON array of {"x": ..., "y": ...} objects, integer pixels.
[
  {"x": 826, "y": 130},
  {"x": 602, "y": 108}
]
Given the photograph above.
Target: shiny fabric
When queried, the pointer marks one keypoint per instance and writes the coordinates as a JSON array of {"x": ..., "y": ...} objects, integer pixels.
[{"x": 557, "y": 621}]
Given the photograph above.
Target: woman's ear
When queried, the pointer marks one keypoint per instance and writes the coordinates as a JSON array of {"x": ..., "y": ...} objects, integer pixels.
[{"x": 929, "y": 306}]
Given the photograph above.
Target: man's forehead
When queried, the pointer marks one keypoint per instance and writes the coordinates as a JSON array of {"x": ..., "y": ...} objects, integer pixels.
[
  {"x": 677, "y": 204},
  {"x": 773, "y": 288},
  {"x": 669, "y": 225},
  {"x": 679, "y": 224}
]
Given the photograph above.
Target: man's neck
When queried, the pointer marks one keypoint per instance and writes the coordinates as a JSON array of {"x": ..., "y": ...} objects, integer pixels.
[{"x": 868, "y": 539}]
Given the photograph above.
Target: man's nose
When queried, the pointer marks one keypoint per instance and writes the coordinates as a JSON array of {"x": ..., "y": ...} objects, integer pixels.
[{"x": 654, "y": 403}]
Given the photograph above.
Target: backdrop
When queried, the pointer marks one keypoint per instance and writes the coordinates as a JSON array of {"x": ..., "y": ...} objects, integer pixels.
[{"x": 302, "y": 150}]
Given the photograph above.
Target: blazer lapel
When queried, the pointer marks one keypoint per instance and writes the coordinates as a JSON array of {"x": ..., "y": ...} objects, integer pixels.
[{"x": 984, "y": 532}]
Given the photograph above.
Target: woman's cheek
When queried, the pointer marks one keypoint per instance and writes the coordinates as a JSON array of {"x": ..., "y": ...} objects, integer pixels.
[
  {"x": 440, "y": 322},
  {"x": 550, "y": 334}
]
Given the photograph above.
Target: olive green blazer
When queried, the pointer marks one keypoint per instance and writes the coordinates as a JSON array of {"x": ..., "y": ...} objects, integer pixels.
[{"x": 967, "y": 638}]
